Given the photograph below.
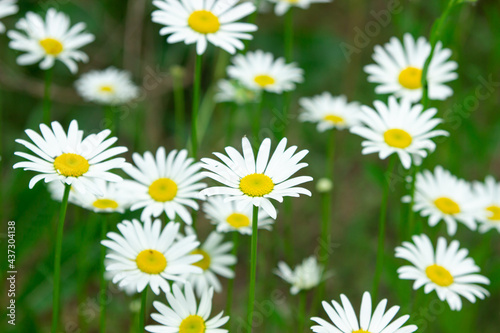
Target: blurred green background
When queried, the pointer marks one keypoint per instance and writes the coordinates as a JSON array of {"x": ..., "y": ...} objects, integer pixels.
[{"x": 126, "y": 38}]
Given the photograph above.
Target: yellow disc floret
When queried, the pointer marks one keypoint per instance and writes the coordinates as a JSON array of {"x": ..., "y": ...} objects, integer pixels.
[
  {"x": 256, "y": 185},
  {"x": 163, "y": 189},
  {"x": 151, "y": 261},
  {"x": 495, "y": 213},
  {"x": 447, "y": 206},
  {"x": 237, "y": 220},
  {"x": 107, "y": 89},
  {"x": 51, "y": 46},
  {"x": 204, "y": 263},
  {"x": 397, "y": 138},
  {"x": 192, "y": 324},
  {"x": 71, "y": 165},
  {"x": 105, "y": 204},
  {"x": 204, "y": 22},
  {"x": 411, "y": 78},
  {"x": 439, "y": 275},
  {"x": 333, "y": 119},
  {"x": 264, "y": 80}
]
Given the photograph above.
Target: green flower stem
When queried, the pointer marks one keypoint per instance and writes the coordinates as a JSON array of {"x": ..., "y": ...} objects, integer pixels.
[
  {"x": 253, "y": 268},
  {"x": 196, "y": 105},
  {"x": 289, "y": 35},
  {"x": 230, "y": 284},
  {"x": 230, "y": 111},
  {"x": 47, "y": 103},
  {"x": 302, "y": 311},
  {"x": 103, "y": 282},
  {"x": 411, "y": 213},
  {"x": 142, "y": 313},
  {"x": 56, "y": 302},
  {"x": 257, "y": 118},
  {"x": 382, "y": 224},
  {"x": 110, "y": 119},
  {"x": 436, "y": 32},
  {"x": 179, "y": 105}
]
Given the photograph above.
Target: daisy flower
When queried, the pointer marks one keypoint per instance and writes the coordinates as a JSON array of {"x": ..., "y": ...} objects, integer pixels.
[
  {"x": 260, "y": 71},
  {"x": 252, "y": 181},
  {"x": 71, "y": 159},
  {"x": 329, "y": 111},
  {"x": 489, "y": 195},
  {"x": 49, "y": 40},
  {"x": 184, "y": 315},
  {"x": 448, "y": 271},
  {"x": 201, "y": 22},
  {"x": 440, "y": 196},
  {"x": 217, "y": 260},
  {"x": 164, "y": 184},
  {"x": 234, "y": 216},
  {"x": 282, "y": 6},
  {"x": 143, "y": 254},
  {"x": 109, "y": 87},
  {"x": 305, "y": 276},
  {"x": 7, "y": 8},
  {"x": 398, "y": 69},
  {"x": 398, "y": 128},
  {"x": 233, "y": 91},
  {"x": 344, "y": 318}
]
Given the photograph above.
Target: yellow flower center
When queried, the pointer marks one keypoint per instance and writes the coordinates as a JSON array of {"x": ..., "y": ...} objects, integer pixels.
[
  {"x": 292, "y": 1},
  {"x": 51, "y": 46},
  {"x": 411, "y": 78},
  {"x": 151, "y": 261},
  {"x": 447, "y": 206},
  {"x": 204, "y": 263},
  {"x": 256, "y": 185},
  {"x": 204, "y": 22},
  {"x": 494, "y": 213},
  {"x": 192, "y": 324},
  {"x": 360, "y": 331},
  {"x": 237, "y": 220},
  {"x": 264, "y": 80},
  {"x": 107, "y": 89},
  {"x": 439, "y": 275},
  {"x": 105, "y": 204},
  {"x": 71, "y": 165},
  {"x": 163, "y": 189},
  {"x": 334, "y": 119},
  {"x": 397, "y": 138}
]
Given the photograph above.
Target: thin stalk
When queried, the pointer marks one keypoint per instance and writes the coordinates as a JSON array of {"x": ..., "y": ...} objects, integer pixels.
[
  {"x": 289, "y": 35},
  {"x": 253, "y": 269},
  {"x": 382, "y": 225},
  {"x": 230, "y": 111},
  {"x": 257, "y": 118},
  {"x": 230, "y": 284},
  {"x": 47, "y": 103},
  {"x": 179, "y": 105},
  {"x": 196, "y": 105},
  {"x": 302, "y": 311},
  {"x": 56, "y": 302},
  {"x": 411, "y": 213},
  {"x": 103, "y": 282},
  {"x": 109, "y": 119},
  {"x": 142, "y": 313}
]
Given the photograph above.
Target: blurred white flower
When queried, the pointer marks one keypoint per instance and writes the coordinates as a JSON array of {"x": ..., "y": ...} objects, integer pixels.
[
  {"x": 232, "y": 91},
  {"x": 7, "y": 8},
  {"x": 488, "y": 196},
  {"x": 305, "y": 276},
  {"x": 282, "y": 6}
]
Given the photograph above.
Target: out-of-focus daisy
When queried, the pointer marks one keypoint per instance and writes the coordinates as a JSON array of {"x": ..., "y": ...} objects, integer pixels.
[
  {"x": 217, "y": 260},
  {"x": 344, "y": 318},
  {"x": 329, "y": 111},
  {"x": 184, "y": 315},
  {"x": 398, "y": 69},
  {"x": 305, "y": 276},
  {"x": 398, "y": 128},
  {"x": 49, "y": 40},
  {"x": 282, "y": 6},
  {"x": 144, "y": 254},
  {"x": 7, "y": 8},
  {"x": 448, "y": 271},
  {"x": 110, "y": 87},
  {"x": 164, "y": 184},
  {"x": 442, "y": 196},
  {"x": 260, "y": 71},
  {"x": 71, "y": 159},
  {"x": 232, "y": 91},
  {"x": 201, "y": 22},
  {"x": 256, "y": 181},
  {"x": 488, "y": 193},
  {"x": 234, "y": 216}
]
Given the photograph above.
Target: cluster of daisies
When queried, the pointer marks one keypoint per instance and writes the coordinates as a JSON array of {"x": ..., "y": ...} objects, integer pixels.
[{"x": 161, "y": 249}]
